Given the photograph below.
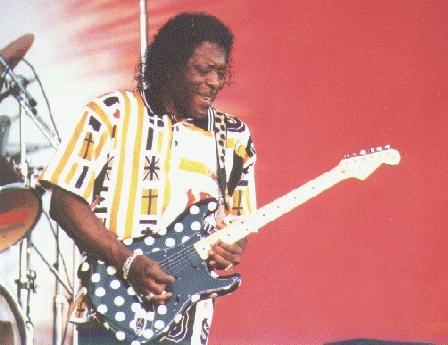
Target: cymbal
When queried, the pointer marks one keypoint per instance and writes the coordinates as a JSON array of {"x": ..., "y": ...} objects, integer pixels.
[{"x": 16, "y": 50}]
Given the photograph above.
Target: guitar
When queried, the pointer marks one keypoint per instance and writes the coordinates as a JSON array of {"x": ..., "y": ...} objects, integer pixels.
[{"x": 183, "y": 250}]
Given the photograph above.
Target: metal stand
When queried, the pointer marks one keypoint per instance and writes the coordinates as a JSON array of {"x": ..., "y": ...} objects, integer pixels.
[
  {"x": 26, "y": 279},
  {"x": 28, "y": 104},
  {"x": 143, "y": 29},
  {"x": 59, "y": 300},
  {"x": 25, "y": 286}
]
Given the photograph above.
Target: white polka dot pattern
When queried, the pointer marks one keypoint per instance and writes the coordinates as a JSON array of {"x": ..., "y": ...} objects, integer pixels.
[
  {"x": 159, "y": 324},
  {"x": 111, "y": 270},
  {"x": 170, "y": 242},
  {"x": 115, "y": 284},
  {"x": 128, "y": 241},
  {"x": 149, "y": 241},
  {"x": 178, "y": 227},
  {"x": 120, "y": 316},
  {"x": 150, "y": 316},
  {"x": 102, "y": 308},
  {"x": 100, "y": 292},
  {"x": 148, "y": 334},
  {"x": 212, "y": 206},
  {"x": 136, "y": 307},
  {"x": 194, "y": 209},
  {"x": 196, "y": 226},
  {"x": 120, "y": 335},
  {"x": 119, "y": 301},
  {"x": 161, "y": 309}
]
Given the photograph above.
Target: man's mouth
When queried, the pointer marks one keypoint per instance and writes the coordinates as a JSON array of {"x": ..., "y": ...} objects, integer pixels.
[{"x": 207, "y": 99}]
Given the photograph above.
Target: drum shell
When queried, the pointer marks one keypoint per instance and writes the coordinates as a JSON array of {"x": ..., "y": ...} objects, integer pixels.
[
  {"x": 12, "y": 323},
  {"x": 7, "y": 172},
  {"x": 20, "y": 209}
]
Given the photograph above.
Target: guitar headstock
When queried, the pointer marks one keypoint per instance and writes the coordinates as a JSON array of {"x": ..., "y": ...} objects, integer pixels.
[{"x": 362, "y": 165}]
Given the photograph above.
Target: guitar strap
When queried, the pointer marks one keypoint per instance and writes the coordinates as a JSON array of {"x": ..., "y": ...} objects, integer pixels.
[{"x": 220, "y": 130}]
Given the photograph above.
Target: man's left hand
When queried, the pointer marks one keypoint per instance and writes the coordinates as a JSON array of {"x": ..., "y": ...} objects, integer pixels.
[{"x": 224, "y": 256}]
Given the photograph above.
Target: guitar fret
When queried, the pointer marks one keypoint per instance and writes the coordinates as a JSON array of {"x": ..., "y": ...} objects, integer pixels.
[{"x": 269, "y": 212}]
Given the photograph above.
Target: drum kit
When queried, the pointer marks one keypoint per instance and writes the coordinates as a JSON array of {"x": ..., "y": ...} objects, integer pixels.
[{"x": 20, "y": 201}]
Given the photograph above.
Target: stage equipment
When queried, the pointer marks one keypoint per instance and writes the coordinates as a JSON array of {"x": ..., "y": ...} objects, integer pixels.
[
  {"x": 143, "y": 40},
  {"x": 20, "y": 204},
  {"x": 20, "y": 209},
  {"x": 14, "y": 52},
  {"x": 12, "y": 89},
  {"x": 143, "y": 29},
  {"x": 5, "y": 123},
  {"x": 12, "y": 323},
  {"x": 9, "y": 57}
]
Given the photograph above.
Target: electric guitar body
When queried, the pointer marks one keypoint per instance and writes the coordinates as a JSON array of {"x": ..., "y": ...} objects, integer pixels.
[{"x": 131, "y": 316}]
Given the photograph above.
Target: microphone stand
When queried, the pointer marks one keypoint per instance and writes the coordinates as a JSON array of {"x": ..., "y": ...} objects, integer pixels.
[
  {"x": 143, "y": 29},
  {"x": 143, "y": 38},
  {"x": 28, "y": 104},
  {"x": 26, "y": 280}
]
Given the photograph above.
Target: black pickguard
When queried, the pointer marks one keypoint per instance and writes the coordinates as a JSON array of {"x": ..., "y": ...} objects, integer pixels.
[{"x": 129, "y": 315}]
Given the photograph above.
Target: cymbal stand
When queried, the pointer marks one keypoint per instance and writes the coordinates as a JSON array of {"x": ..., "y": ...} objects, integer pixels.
[
  {"x": 28, "y": 104},
  {"x": 26, "y": 280}
]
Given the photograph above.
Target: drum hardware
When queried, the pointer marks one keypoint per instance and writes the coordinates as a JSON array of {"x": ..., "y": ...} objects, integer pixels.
[
  {"x": 53, "y": 269},
  {"x": 17, "y": 199},
  {"x": 27, "y": 103},
  {"x": 5, "y": 123},
  {"x": 13, "y": 328}
]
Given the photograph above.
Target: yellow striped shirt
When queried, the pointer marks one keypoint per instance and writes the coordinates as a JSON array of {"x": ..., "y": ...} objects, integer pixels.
[{"x": 144, "y": 169}]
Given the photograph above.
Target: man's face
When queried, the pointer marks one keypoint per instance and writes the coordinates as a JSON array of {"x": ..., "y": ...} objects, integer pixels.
[{"x": 194, "y": 90}]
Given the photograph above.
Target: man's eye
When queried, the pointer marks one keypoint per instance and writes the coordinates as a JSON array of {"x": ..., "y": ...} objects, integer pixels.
[{"x": 203, "y": 70}]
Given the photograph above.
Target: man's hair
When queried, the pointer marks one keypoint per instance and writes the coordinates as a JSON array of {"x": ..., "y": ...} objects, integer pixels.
[{"x": 174, "y": 44}]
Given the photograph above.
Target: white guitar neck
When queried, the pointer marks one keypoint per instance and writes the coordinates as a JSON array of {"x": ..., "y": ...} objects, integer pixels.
[
  {"x": 359, "y": 167},
  {"x": 252, "y": 223}
]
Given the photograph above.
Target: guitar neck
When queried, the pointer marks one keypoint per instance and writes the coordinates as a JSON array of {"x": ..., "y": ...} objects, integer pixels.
[{"x": 269, "y": 212}]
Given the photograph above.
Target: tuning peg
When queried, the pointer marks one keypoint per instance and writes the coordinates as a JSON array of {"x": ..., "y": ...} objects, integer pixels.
[
  {"x": 379, "y": 148},
  {"x": 387, "y": 147},
  {"x": 346, "y": 156},
  {"x": 363, "y": 152}
]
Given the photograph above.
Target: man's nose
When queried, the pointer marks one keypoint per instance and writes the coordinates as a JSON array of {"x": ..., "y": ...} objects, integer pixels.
[{"x": 214, "y": 80}]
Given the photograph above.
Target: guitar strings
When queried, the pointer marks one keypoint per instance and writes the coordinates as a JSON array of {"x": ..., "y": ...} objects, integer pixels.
[{"x": 170, "y": 265}]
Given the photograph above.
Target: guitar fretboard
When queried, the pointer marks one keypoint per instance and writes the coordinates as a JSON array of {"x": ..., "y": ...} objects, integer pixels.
[{"x": 269, "y": 212}]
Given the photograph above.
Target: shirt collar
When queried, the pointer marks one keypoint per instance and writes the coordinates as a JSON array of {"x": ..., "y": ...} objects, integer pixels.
[{"x": 205, "y": 123}]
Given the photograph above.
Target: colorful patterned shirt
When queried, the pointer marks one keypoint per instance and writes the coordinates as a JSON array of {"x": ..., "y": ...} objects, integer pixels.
[{"x": 140, "y": 170}]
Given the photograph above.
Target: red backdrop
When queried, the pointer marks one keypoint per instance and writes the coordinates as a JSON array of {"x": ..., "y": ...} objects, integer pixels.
[{"x": 316, "y": 80}]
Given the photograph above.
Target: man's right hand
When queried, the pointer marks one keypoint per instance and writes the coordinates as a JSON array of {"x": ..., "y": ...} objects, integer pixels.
[
  {"x": 148, "y": 279},
  {"x": 75, "y": 216}
]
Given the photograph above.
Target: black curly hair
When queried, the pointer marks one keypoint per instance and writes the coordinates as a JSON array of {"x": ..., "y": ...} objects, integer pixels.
[{"x": 173, "y": 45}]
